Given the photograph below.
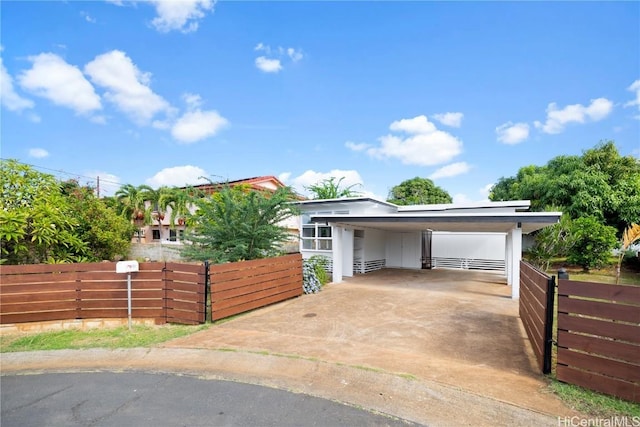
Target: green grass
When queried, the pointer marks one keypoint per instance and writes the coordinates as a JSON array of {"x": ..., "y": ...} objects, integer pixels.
[
  {"x": 121, "y": 337},
  {"x": 594, "y": 404}
]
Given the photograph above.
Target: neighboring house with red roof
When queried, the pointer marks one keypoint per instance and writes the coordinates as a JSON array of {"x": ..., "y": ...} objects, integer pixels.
[{"x": 161, "y": 231}]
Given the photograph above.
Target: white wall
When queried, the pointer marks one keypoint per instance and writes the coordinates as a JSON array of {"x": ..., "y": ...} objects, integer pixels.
[
  {"x": 468, "y": 245},
  {"x": 374, "y": 244},
  {"x": 403, "y": 250}
]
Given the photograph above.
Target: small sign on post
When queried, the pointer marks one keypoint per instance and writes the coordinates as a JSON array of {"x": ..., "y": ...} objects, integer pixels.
[{"x": 128, "y": 267}]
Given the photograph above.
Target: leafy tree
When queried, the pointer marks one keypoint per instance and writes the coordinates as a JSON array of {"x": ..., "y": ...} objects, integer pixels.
[
  {"x": 36, "y": 220},
  {"x": 418, "y": 191},
  {"x": 593, "y": 243},
  {"x": 178, "y": 201},
  {"x": 331, "y": 189},
  {"x": 238, "y": 223},
  {"x": 107, "y": 234},
  {"x": 554, "y": 240},
  {"x": 601, "y": 184}
]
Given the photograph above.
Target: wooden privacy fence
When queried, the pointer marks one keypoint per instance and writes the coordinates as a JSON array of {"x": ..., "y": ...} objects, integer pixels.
[
  {"x": 536, "y": 311},
  {"x": 242, "y": 286},
  {"x": 165, "y": 292},
  {"x": 599, "y": 337}
]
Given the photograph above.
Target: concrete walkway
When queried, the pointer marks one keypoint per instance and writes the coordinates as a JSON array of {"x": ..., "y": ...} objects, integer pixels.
[{"x": 435, "y": 347}]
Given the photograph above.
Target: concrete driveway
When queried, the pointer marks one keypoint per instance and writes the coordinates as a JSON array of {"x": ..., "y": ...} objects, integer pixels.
[{"x": 457, "y": 328}]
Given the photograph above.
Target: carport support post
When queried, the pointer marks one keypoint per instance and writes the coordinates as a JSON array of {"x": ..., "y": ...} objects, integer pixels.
[
  {"x": 516, "y": 256},
  {"x": 336, "y": 245},
  {"x": 507, "y": 257}
]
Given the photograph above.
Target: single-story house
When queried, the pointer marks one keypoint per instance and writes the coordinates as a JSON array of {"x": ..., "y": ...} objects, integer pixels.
[{"x": 362, "y": 234}]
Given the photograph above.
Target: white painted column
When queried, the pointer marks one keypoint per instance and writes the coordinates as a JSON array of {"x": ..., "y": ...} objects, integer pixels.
[
  {"x": 516, "y": 256},
  {"x": 347, "y": 252},
  {"x": 336, "y": 238},
  {"x": 507, "y": 257}
]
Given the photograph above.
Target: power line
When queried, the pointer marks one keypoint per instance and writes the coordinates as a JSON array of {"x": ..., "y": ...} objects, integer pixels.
[{"x": 76, "y": 175}]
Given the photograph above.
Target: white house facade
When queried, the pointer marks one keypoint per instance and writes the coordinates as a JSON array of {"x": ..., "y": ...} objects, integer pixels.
[{"x": 359, "y": 235}]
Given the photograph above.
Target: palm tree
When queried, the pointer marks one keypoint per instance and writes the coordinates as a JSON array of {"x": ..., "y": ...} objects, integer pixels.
[
  {"x": 131, "y": 204},
  {"x": 629, "y": 237},
  {"x": 178, "y": 200},
  {"x": 331, "y": 189}
]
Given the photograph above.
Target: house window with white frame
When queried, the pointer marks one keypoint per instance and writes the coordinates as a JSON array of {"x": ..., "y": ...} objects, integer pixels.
[{"x": 316, "y": 237}]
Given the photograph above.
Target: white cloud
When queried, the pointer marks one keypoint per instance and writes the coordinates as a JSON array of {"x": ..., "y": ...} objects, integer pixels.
[
  {"x": 268, "y": 65},
  {"x": 453, "y": 169},
  {"x": 417, "y": 125},
  {"x": 486, "y": 190},
  {"x": 576, "y": 113},
  {"x": 461, "y": 199},
  {"x": 179, "y": 176},
  {"x": 192, "y": 100},
  {"x": 295, "y": 55},
  {"x": 196, "y": 125},
  {"x": 38, "y": 153},
  {"x": 284, "y": 177},
  {"x": 426, "y": 145},
  {"x": 512, "y": 133},
  {"x": 63, "y": 84},
  {"x": 8, "y": 96},
  {"x": 181, "y": 15},
  {"x": 88, "y": 17},
  {"x": 126, "y": 86},
  {"x": 272, "y": 60},
  {"x": 311, "y": 177},
  {"x": 354, "y": 146},
  {"x": 450, "y": 119},
  {"x": 635, "y": 87}
]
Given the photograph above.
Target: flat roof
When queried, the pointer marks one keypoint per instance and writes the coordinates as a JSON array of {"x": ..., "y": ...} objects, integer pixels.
[{"x": 501, "y": 222}]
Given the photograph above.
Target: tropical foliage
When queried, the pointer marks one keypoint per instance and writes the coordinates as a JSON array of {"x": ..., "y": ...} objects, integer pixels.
[
  {"x": 239, "y": 223},
  {"x": 332, "y": 189},
  {"x": 418, "y": 191},
  {"x": 43, "y": 220},
  {"x": 593, "y": 242},
  {"x": 600, "y": 184}
]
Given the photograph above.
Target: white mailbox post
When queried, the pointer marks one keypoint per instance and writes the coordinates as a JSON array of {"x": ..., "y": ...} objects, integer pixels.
[{"x": 128, "y": 267}]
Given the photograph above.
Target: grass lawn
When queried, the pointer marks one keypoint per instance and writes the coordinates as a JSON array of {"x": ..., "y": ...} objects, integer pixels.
[{"x": 120, "y": 337}]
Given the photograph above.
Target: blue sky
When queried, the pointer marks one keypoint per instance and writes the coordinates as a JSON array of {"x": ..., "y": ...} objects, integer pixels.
[{"x": 163, "y": 92}]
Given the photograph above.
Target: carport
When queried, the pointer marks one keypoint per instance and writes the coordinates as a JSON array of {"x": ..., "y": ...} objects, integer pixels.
[{"x": 504, "y": 218}]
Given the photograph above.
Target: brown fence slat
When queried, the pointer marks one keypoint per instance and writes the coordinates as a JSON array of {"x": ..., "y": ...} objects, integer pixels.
[
  {"x": 221, "y": 314},
  {"x": 535, "y": 309},
  {"x": 620, "y": 331},
  {"x": 605, "y": 347},
  {"x": 599, "y": 365},
  {"x": 626, "y": 294},
  {"x": 603, "y": 384},
  {"x": 42, "y": 316},
  {"x": 37, "y": 297},
  {"x": 602, "y": 309}
]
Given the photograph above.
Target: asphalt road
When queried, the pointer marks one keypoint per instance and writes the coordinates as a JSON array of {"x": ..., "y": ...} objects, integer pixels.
[{"x": 158, "y": 399}]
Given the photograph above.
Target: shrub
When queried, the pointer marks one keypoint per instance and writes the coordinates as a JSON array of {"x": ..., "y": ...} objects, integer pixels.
[
  {"x": 310, "y": 282},
  {"x": 593, "y": 243}
]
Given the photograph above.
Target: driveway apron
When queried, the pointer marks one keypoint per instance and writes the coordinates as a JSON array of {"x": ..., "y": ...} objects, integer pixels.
[{"x": 458, "y": 328}]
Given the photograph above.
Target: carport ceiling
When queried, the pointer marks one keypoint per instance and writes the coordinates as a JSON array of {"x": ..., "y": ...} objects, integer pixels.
[{"x": 477, "y": 222}]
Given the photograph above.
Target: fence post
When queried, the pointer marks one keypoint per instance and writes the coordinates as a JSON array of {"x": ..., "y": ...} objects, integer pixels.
[
  {"x": 208, "y": 314},
  {"x": 548, "y": 324}
]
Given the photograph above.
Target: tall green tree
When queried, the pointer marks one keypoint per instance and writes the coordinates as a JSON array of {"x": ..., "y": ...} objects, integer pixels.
[
  {"x": 238, "y": 223},
  {"x": 36, "y": 221},
  {"x": 332, "y": 189},
  {"x": 107, "y": 234},
  {"x": 601, "y": 184},
  {"x": 418, "y": 191}
]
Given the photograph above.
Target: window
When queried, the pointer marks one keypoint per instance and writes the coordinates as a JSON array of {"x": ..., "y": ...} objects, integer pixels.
[
  {"x": 316, "y": 237},
  {"x": 155, "y": 234},
  {"x": 172, "y": 235},
  {"x": 180, "y": 235}
]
